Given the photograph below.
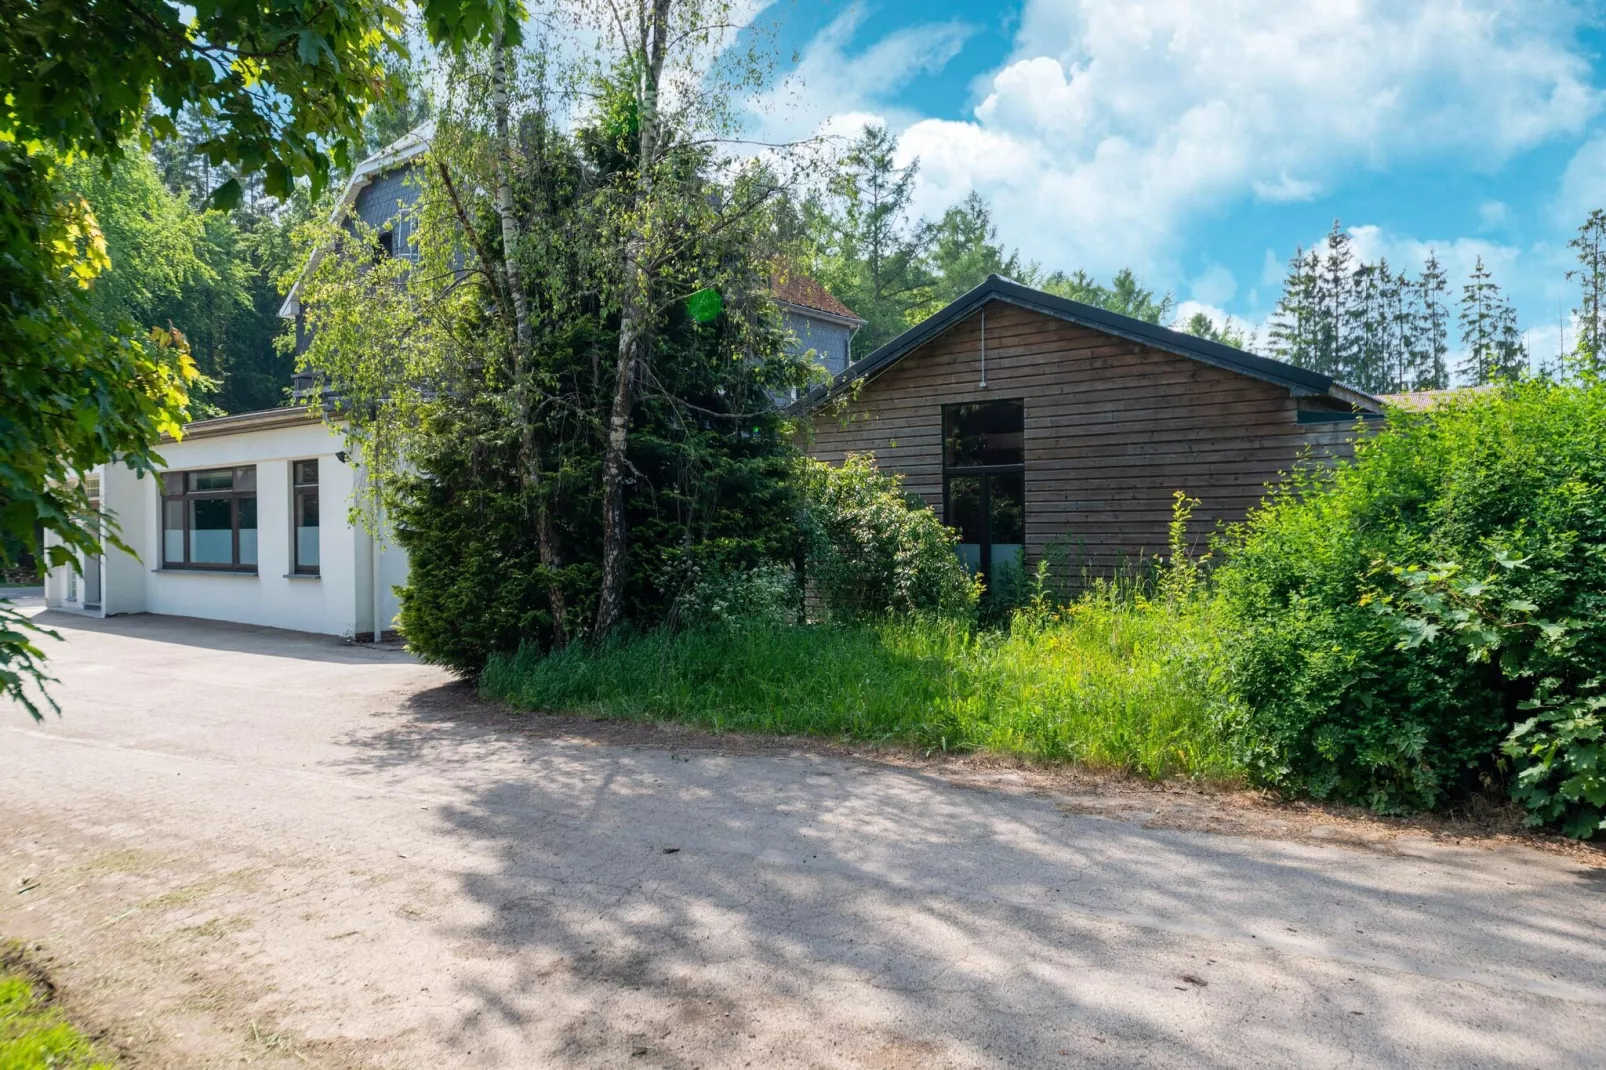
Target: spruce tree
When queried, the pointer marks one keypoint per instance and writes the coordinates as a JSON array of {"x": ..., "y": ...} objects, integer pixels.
[
  {"x": 1589, "y": 352},
  {"x": 1488, "y": 330},
  {"x": 1430, "y": 345},
  {"x": 1292, "y": 333},
  {"x": 1334, "y": 299}
]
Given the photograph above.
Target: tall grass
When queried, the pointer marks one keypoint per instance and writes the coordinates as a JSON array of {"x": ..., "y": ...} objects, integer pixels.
[{"x": 1114, "y": 680}]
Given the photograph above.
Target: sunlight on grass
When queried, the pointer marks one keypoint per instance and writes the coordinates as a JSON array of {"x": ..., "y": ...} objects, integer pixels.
[
  {"x": 1113, "y": 682},
  {"x": 33, "y": 1034}
]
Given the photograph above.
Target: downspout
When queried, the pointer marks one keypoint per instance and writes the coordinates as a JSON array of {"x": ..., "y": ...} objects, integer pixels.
[
  {"x": 379, "y": 627},
  {"x": 983, "y": 384}
]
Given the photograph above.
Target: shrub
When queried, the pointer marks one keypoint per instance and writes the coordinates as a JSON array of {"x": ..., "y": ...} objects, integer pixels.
[
  {"x": 873, "y": 547},
  {"x": 1411, "y": 624}
]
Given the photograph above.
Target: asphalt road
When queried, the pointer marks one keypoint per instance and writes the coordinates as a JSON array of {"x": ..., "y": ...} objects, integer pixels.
[{"x": 240, "y": 844}]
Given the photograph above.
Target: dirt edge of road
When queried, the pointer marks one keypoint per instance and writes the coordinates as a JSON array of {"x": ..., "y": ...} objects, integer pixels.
[{"x": 1182, "y": 805}]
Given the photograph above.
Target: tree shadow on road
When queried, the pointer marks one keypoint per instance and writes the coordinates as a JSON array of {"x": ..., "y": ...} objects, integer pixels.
[{"x": 681, "y": 903}]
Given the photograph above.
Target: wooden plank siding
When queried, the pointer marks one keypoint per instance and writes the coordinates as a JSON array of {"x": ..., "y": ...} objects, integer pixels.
[{"x": 1113, "y": 428}]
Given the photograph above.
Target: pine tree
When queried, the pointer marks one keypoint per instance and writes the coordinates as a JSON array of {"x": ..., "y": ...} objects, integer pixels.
[
  {"x": 1430, "y": 344},
  {"x": 1589, "y": 353},
  {"x": 1334, "y": 298},
  {"x": 1292, "y": 333},
  {"x": 1488, "y": 330}
]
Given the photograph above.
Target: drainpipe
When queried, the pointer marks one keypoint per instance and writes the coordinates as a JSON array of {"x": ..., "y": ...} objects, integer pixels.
[
  {"x": 379, "y": 626},
  {"x": 983, "y": 383}
]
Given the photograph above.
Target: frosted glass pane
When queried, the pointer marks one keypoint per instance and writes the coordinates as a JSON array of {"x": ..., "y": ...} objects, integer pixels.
[
  {"x": 173, "y": 547},
  {"x": 212, "y": 547},
  {"x": 248, "y": 546},
  {"x": 307, "y": 547}
]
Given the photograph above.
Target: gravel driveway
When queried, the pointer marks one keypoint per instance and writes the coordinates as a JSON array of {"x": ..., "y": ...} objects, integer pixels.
[{"x": 242, "y": 845}]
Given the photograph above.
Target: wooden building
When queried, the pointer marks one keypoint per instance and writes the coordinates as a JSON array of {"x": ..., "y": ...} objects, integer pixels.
[{"x": 1024, "y": 419}]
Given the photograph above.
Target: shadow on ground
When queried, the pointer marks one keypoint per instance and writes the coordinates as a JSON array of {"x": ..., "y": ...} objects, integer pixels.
[{"x": 687, "y": 903}]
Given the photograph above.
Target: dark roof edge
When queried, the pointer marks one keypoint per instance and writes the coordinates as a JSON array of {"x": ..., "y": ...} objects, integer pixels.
[{"x": 1299, "y": 381}]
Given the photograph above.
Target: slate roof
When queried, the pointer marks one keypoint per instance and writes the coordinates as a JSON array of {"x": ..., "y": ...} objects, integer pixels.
[{"x": 1298, "y": 381}]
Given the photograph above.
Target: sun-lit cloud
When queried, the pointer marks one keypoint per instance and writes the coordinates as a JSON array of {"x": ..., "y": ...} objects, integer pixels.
[{"x": 1113, "y": 123}]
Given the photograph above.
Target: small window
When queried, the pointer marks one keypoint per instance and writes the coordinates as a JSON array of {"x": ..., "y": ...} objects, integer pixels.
[
  {"x": 387, "y": 244},
  {"x": 304, "y": 477},
  {"x": 209, "y": 519}
]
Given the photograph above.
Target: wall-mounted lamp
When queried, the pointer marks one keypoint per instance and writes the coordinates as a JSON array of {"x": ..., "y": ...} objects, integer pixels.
[{"x": 340, "y": 455}]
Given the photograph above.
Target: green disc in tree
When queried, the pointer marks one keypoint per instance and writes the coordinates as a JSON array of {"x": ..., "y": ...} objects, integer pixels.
[{"x": 704, "y": 305}]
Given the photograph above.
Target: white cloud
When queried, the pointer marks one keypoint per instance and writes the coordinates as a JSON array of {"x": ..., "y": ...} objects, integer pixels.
[
  {"x": 1583, "y": 184},
  {"x": 835, "y": 89},
  {"x": 1493, "y": 214},
  {"x": 1215, "y": 286},
  {"x": 1286, "y": 189},
  {"x": 1458, "y": 256},
  {"x": 1115, "y": 123}
]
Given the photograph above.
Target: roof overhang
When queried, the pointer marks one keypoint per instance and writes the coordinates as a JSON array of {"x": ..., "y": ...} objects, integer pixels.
[
  {"x": 246, "y": 422},
  {"x": 1301, "y": 382},
  {"x": 404, "y": 149},
  {"x": 853, "y": 322}
]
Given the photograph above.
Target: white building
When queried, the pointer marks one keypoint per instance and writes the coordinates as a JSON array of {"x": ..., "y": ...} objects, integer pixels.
[{"x": 248, "y": 522}]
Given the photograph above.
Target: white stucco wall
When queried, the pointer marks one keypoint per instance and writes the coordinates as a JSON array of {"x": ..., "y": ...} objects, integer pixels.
[{"x": 338, "y": 601}]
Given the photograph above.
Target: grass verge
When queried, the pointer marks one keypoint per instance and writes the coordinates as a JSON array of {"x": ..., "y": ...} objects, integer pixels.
[
  {"x": 1111, "y": 682},
  {"x": 33, "y": 1033}
]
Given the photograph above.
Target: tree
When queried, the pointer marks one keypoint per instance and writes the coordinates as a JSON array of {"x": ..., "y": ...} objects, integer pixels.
[
  {"x": 1202, "y": 326},
  {"x": 1588, "y": 358},
  {"x": 965, "y": 250},
  {"x": 1293, "y": 331},
  {"x": 286, "y": 84},
  {"x": 866, "y": 248},
  {"x": 481, "y": 378},
  {"x": 1430, "y": 346},
  {"x": 1125, "y": 294},
  {"x": 1495, "y": 349}
]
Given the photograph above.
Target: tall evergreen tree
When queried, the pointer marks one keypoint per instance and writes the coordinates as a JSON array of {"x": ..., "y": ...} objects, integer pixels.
[
  {"x": 871, "y": 254},
  {"x": 965, "y": 250},
  {"x": 1431, "y": 331},
  {"x": 1589, "y": 352},
  {"x": 1495, "y": 349},
  {"x": 1334, "y": 300},
  {"x": 1293, "y": 331}
]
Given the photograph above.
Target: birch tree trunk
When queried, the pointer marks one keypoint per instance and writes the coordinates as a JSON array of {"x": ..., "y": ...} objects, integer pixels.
[
  {"x": 635, "y": 315},
  {"x": 529, "y": 453}
]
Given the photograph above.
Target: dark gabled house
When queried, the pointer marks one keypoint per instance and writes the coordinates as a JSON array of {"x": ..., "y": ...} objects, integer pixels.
[{"x": 1026, "y": 419}]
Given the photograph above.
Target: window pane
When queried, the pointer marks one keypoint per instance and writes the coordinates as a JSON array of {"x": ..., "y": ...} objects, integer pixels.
[
  {"x": 172, "y": 482},
  {"x": 245, "y": 478},
  {"x": 248, "y": 528},
  {"x": 964, "y": 513},
  {"x": 211, "y": 531},
  {"x": 1007, "y": 508},
  {"x": 307, "y": 531},
  {"x": 306, "y": 473},
  {"x": 173, "y": 532},
  {"x": 220, "y": 479},
  {"x": 984, "y": 432}
]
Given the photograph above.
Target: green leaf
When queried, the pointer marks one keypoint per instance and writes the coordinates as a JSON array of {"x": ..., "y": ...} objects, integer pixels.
[
  {"x": 705, "y": 305},
  {"x": 227, "y": 197}
]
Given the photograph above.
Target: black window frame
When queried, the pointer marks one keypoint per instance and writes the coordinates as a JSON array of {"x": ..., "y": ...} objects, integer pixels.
[
  {"x": 300, "y": 491},
  {"x": 188, "y": 494},
  {"x": 984, "y": 473}
]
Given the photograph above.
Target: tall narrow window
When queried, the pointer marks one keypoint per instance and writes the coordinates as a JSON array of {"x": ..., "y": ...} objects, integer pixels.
[
  {"x": 984, "y": 483},
  {"x": 305, "y": 479},
  {"x": 209, "y": 519}
]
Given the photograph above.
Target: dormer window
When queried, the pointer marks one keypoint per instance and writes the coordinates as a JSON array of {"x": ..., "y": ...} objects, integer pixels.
[{"x": 387, "y": 244}]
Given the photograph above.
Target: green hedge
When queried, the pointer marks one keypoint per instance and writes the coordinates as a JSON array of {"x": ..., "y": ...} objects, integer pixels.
[{"x": 1431, "y": 620}]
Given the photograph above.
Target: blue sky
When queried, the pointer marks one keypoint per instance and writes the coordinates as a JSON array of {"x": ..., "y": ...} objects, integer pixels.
[{"x": 1200, "y": 141}]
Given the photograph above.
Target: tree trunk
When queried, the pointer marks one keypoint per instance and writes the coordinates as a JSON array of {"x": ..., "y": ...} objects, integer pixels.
[
  {"x": 529, "y": 454},
  {"x": 634, "y": 324}
]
